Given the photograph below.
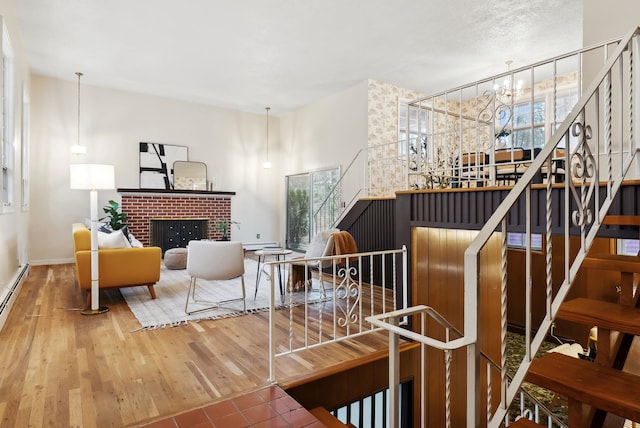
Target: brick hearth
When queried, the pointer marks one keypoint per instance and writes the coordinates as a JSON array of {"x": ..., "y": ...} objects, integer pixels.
[{"x": 141, "y": 206}]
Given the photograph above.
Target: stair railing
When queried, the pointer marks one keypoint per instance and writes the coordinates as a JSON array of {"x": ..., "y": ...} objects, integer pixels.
[
  {"x": 591, "y": 175},
  {"x": 333, "y": 304},
  {"x": 355, "y": 181},
  {"x": 599, "y": 149}
]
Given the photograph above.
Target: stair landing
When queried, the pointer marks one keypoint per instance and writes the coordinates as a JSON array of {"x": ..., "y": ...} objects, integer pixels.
[{"x": 269, "y": 407}]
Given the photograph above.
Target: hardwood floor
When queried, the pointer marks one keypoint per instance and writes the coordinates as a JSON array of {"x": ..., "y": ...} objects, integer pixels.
[{"x": 60, "y": 368}]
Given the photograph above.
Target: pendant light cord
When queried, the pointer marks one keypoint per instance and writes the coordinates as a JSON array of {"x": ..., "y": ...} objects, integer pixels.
[
  {"x": 78, "y": 74},
  {"x": 267, "y": 108}
]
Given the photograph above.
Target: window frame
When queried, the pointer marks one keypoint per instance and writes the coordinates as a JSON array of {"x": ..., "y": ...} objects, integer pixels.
[
  {"x": 407, "y": 132},
  {"x": 25, "y": 184},
  {"x": 8, "y": 114}
]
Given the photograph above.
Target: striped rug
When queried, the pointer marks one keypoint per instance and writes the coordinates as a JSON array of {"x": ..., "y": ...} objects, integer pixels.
[{"x": 167, "y": 309}]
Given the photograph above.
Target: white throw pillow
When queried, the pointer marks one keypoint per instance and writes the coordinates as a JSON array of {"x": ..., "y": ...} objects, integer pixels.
[
  {"x": 134, "y": 242},
  {"x": 114, "y": 239}
]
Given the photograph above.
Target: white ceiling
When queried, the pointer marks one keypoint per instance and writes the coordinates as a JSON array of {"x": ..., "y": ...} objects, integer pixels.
[{"x": 247, "y": 54}]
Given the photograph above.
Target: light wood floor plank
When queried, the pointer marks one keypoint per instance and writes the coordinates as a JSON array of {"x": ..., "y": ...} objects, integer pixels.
[
  {"x": 75, "y": 408},
  {"x": 60, "y": 368}
]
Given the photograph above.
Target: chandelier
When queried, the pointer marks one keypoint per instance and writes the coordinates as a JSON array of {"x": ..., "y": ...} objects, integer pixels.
[{"x": 509, "y": 89}]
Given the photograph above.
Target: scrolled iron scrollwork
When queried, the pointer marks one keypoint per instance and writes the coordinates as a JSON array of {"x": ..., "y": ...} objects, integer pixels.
[
  {"x": 582, "y": 217},
  {"x": 584, "y": 164},
  {"x": 348, "y": 290},
  {"x": 583, "y": 169}
]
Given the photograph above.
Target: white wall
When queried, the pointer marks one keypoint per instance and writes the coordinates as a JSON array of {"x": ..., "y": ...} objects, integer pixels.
[
  {"x": 605, "y": 20},
  {"x": 231, "y": 143},
  {"x": 14, "y": 221},
  {"x": 325, "y": 134}
]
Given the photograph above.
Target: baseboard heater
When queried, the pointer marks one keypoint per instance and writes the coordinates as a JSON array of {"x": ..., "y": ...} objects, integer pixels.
[
  {"x": 12, "y": 293},
  {"x": 258, "y": 245}
]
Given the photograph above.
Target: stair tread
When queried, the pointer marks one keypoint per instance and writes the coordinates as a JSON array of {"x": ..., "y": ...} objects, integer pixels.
[
  {"x": 612, "y": 316},
  {"x": 611, "y": 390},
  {"x": 525, "y": 423},
  {"x": 618, "y": 262}
]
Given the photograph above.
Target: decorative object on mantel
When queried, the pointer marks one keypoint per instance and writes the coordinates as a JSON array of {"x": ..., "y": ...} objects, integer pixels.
[
  {"x": 189, "y": 175},
  {"x": 223, "y": 225},
  {"x": 93, "y": 177},
  {"x": 267, "y": 163},
  {"x": 156, "y": 164},
  {"x": 78, "y": 149}
]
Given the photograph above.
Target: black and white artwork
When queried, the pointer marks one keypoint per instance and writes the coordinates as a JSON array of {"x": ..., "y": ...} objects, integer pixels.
[{"x": 156, "y": 164}]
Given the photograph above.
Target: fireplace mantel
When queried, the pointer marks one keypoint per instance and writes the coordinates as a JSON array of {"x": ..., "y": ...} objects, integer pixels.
[{"x": 171, "y": 192}]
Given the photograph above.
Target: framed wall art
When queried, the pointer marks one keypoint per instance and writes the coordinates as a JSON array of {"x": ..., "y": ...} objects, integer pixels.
[{"x": 156, "y": 164}]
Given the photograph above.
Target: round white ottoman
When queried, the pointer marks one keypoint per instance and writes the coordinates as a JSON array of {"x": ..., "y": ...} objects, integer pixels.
[{"x": 175, "y": 258}]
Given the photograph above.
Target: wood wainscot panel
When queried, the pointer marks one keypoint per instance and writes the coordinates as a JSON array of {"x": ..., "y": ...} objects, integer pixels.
[{"x": 438, "y": 281}]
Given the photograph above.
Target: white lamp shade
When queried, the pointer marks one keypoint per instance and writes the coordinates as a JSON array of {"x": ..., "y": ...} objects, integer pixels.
[{"x": 92, "y": 176}]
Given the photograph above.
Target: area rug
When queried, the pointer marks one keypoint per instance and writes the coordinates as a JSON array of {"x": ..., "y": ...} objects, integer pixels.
[{"x": 167, "y": 309}]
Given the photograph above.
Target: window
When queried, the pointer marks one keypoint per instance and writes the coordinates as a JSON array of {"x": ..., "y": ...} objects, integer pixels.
[
  {"x": 412, "y": 125},
  {"x": 7, "y": 122},
  {"x": 312, "y": 207},
  {"x": 564, "y": 104},
  {"x": 627, "y": 247},
  {"x": 528, "y": 126},
  {"x": 529, "y": 120},
  {"x": 519, "y": 241},
  {"x": 24, "y": 188}
]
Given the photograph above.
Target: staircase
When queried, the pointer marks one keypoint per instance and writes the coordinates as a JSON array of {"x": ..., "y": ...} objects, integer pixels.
[
  {"x": 604, "y": 386},
  {"x": 600, "y": 133}
]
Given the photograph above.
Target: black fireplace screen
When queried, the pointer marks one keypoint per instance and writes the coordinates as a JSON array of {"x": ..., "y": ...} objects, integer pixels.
[{"x": 175, "y": 233}]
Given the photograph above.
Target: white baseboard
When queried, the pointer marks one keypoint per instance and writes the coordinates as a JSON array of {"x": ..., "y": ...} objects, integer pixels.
[{"x": 43, "y": 262}]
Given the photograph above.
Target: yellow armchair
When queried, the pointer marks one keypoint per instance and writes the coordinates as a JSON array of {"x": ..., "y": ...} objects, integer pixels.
[{"x": 121, "y": 267}]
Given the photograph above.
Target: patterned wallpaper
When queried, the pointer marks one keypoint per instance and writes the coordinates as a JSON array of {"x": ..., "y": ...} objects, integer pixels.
[{"x": 387, "y": 174}]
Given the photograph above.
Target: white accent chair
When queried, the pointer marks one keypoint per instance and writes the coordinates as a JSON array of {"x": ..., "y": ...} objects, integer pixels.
[
  {"x": 300, "y": 273},
  {"x": 214, "y": 260}
]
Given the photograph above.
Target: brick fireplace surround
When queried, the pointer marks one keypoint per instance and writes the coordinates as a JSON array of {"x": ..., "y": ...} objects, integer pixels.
[{"x": 141, "y": 205}]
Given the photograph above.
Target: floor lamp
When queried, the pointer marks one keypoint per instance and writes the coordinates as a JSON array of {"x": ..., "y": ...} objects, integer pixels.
[{"x": 93, "y": 177}]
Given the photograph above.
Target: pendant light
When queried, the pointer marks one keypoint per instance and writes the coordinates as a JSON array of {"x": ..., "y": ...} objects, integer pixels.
[
  {"x": 78, "y": 149},
  {"x": 267, "y": 163}
]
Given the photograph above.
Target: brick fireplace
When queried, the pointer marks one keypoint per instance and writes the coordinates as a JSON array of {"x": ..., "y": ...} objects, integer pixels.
[{"x": 142, "y": 205}]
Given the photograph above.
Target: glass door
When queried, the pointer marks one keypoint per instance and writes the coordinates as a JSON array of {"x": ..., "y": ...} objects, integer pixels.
[
  {"x": 307, "y": 194},
  {"x": 298, "y": 198}
]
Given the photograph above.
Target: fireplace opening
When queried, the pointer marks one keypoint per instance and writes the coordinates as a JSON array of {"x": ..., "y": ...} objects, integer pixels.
[{"x": 176, "y": 233}]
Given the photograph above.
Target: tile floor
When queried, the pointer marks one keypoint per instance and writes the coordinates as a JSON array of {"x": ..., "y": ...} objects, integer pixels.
[{"x": 269, "y": 407}]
